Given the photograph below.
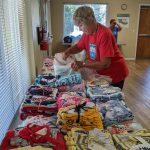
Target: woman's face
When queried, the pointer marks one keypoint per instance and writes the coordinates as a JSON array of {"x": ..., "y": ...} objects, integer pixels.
[
  {"x": 114, "y": 23},
  {"x": 87, "y": 29}
]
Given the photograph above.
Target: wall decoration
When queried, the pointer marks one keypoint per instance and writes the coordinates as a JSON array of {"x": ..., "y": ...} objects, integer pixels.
[
  {"x": 124, "y": 6},
  {"x": 123, "y": 20}
]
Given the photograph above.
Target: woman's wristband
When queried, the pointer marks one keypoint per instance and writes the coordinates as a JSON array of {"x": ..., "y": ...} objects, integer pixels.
[{"x": 83, "y": 63}]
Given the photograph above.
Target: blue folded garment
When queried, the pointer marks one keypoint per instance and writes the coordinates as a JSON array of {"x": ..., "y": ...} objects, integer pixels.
[
  {"x": 114, "y": 112},
  {"x": 46, "y": 80},
  {"x": 68, "y": 80},
  {"x": 99, "y": 94}
]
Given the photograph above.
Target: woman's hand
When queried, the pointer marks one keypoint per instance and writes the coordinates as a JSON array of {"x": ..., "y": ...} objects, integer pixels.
[
  {"x": 65, "y": 55},
  {"x": 77, "y": 65}
]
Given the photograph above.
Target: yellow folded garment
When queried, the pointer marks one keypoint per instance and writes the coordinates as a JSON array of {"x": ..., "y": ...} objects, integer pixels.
[
  {"x": 74, "y": 115},
  {"x": 82, "y": 123},
  {"x": 69, "y": 140},
  {"x": 77, "y": 139},
  {"x": 70, "y": 111},
  {"x": 67, "y": 124},
  {"x": 87, "y": 128},
  {"x": 88, "y": 118}
]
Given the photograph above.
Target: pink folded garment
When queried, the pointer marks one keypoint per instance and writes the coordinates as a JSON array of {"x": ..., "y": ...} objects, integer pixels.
[
  {"x": 65, "y": 99},
  {"x": 76, "y": 87}
]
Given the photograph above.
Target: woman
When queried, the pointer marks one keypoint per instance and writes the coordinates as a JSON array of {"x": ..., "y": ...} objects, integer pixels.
[
  {"x": 99, "y": 43},
  {"x": 115, "y": 28}
]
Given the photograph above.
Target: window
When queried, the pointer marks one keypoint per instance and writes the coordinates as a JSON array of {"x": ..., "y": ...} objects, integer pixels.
[
  {"x": 14, "y": 63},
  {"x": 100, "y": 11}
]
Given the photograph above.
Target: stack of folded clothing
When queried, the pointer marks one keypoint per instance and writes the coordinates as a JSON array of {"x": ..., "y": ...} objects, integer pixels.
[
  {"x": 100, "y": 95},
  {"x": 99, "y": 140},
  {"x": 40, "y": 120},
  {"x": 77, "y": 139},
  {"x": 124, "y": 127},
  {"x": 65, "y": 76},
  {"x": 32, "y": 148},
  {"x": 84, "y": 115},
  {"x": 39, "y": 101},
  {"x": 131, "y": 141},
  {"x": 95, "y": 139},
  {"x": 29, "y": 110},
  {"x": 60, "y": 100},
  {"x": 69, "y": 99},
  {"x": 114, "y": 112},
  {"x": 68, "y": 80},
  {"x": 34, "y": 135},
  {"x": 99, "y": 81},
  {"x": 73, "y": 87},
  {"x": 42, "y": 90},
  {"x": 45, "y": 80}
]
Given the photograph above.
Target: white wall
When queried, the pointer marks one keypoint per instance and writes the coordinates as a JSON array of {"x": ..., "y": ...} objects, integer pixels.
[
  {"x": 127, "y": 35},
  {"x": 35, "y": 4}
]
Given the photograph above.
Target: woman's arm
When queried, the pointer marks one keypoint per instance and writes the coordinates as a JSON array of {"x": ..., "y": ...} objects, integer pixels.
[
  {"x": 96, "y": 65},
  {"x": 71, "y": 50},
  {"x": 119, "y": 27}
]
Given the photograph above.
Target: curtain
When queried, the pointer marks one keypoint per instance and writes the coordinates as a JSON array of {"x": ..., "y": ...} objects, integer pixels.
[{"x": 15, "y": 75}]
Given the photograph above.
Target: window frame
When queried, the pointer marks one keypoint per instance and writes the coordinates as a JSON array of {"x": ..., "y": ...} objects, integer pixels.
[{"x": 68, "y": 3}]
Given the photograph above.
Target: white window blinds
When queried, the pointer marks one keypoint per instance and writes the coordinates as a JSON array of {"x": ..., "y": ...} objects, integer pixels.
[{"x": 14, "y": 63}]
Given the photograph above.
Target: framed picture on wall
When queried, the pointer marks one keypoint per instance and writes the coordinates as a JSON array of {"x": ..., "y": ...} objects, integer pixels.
[{"x": 123, "y": 20}]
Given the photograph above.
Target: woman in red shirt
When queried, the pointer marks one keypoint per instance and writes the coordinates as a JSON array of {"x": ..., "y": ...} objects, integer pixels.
[{"x": 100, "y": 45}]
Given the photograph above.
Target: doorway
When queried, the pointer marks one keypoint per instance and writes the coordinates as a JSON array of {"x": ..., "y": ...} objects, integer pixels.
[{"x": 143, "y": 43}]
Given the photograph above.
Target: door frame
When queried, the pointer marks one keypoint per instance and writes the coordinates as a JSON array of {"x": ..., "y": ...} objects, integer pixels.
[{"x": 140, "y": 5}]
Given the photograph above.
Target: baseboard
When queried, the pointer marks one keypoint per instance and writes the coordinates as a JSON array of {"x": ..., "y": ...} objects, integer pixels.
[{"x": 130, "y": 58}]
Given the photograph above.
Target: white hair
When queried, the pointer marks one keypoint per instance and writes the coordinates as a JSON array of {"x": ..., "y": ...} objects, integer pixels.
[{"x": 84, "y": 14}]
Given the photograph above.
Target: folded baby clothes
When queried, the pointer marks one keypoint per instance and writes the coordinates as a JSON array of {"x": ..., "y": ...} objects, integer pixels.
[
  {"x": 99, "y": 81},
  {"x": 46, "y": 80},
  {"x": 47, "y": 67},
  {"x": 39, "y": 108},
  {"x": 24, "y": 115},
  {"x": 68, "y": 80},
  {"x": 77, "y": 139},
  {"x": 46, "y": 107},
  {"x": 34, "y": 104},
  {"x": 37, "y": 104},
  {"x": 42, "y": 90},
  {"x": 114, "y": 112},
  {"x": 34, "y": 135},
  {"x": 84, "y": 115},
  {"x": 124, "y": 127},
  {"x": 68, "y": 99},
  {"x": 63, "y": 67},
  {"x": 98, "y": 140},
  {"x": 143, "y": 146},
  {"x": 128, "y": 141},
  {"x": 80, "y": 139},
  {"x": 41, "y": 99},
  {"x": 73, "y": 87},
  {"x": 40, "y": 120},
  {"x": 100, "y": 95},
  {"x": 69, "y": 94},
  {"x": 32, "y": 148}
]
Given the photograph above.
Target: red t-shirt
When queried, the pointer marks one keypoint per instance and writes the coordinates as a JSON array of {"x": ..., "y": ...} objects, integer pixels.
[{"x": 100, "y": 45}]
